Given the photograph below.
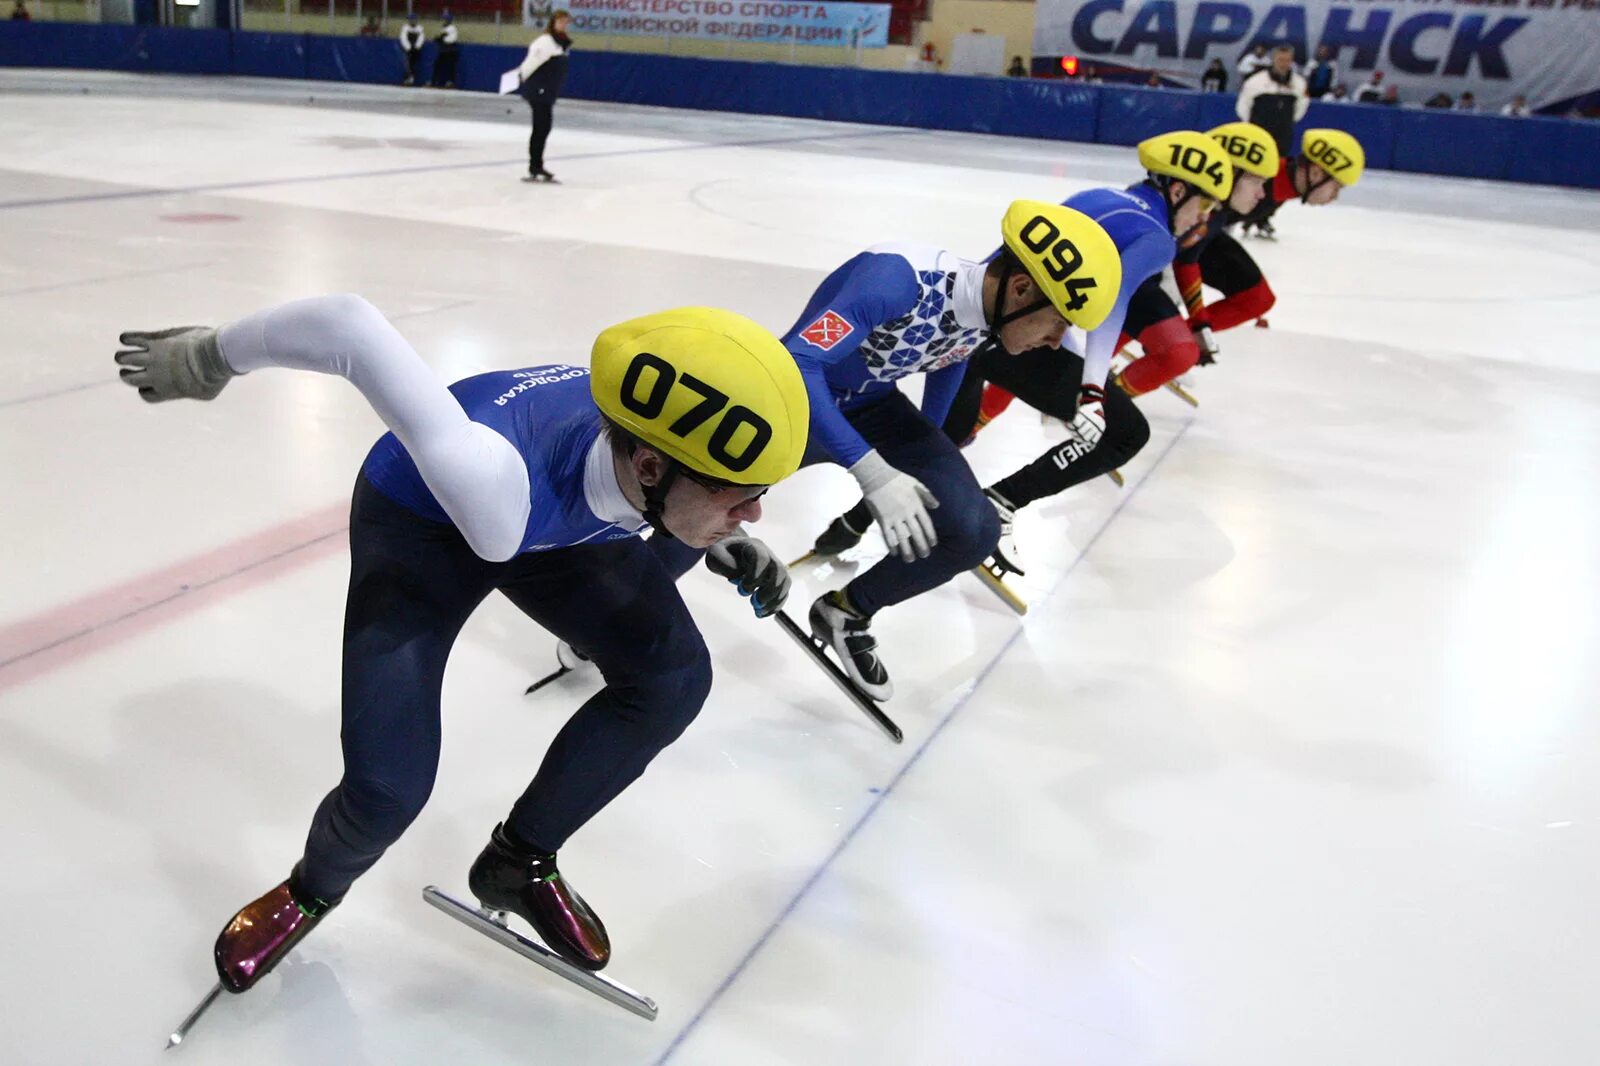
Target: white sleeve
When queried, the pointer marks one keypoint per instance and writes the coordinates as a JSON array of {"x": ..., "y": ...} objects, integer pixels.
[
  {"x": 542, "y": 48},
  {"x": 478, "y": 476},
  {"x": 1302, "y": 97},
  {"x": 1248, "y": 91}
]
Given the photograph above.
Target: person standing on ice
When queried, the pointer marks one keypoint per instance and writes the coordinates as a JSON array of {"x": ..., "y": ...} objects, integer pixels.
[
  {"x": 534, "y": 483},
  {"x": 539, "y": 79},
  {"x": 1187, "y": 175},
  {"x": 411, "y": 38}
]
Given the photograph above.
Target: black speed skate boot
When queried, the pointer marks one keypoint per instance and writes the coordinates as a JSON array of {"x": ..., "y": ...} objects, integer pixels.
[
  {"x": 842, "y": 534},
  {"x": 509, "y": 878},
  {"x": 837, "y": 623},
  {"x": 264, "y": 931}
]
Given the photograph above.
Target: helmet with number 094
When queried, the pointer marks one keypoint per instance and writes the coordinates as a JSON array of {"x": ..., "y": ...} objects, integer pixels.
[
  {"x": 1251, "y": 148},
  {"x": 1191, "y": 157},
  {"x": 707, "y": 388},
  {"x": 1071, "y": 259},
  {"x": 1336, "y": 152}
]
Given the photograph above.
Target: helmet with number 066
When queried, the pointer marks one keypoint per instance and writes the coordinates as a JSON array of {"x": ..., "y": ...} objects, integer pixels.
[
  {"x": 707, "y": 388},
  {"x": 1190, "y": 157},
  {"x": 1072, "y": 260},
  {"x": 1251, "y": 148},
  {"x": 1336, "y": 152}
]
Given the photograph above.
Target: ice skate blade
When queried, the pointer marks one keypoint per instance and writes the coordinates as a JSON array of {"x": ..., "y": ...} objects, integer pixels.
[
  {"x": 484, "y": 922},
  {"x": 1116, "y": 476},
  {"x": 819, "y": 654},
  {"x": 543, "y": 681},
  {"x": 182, "y": 1030},
  {"x": 1182, "y": 393},
  {"x": 994, "y": 576},
  {"x": 806, "y": 558}
]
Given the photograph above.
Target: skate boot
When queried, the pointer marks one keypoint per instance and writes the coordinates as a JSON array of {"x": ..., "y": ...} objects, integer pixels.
[
  {"x": 508, "y": 878},
  {"x": 841, "y": 535},
  {"x": 1005, "y": 552},
  {"x": 844, "y": 629},
  {"x": 262, "y": 933}
]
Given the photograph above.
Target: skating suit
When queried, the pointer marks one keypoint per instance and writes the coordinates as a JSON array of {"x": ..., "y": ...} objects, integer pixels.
[
  {"x": 547, "y": 413},
  {"x": 894, "y": 310}
]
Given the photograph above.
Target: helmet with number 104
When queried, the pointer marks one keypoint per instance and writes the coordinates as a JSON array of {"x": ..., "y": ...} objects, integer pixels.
[
  {"x": 1071, "y": 259},
  {"x": 1191, "y": 157},
  {"x": 1251, "y": 148},
  {"x": 1336, "y": 152},
  {"x": 707, "y": 388}
]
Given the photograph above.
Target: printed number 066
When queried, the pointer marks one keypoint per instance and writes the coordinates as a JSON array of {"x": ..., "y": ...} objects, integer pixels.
[
  {"x": 1237, "y": 146},
  {"x": 712, "y": 400}
]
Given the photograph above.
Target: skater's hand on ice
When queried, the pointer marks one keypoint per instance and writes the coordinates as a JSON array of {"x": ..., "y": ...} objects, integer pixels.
[
  {"x": 172, "y": 364},
  {"x": 752, "y": 566},
  {"x": 1208, "y": 345},
  {"x": 900, "y": 503}
]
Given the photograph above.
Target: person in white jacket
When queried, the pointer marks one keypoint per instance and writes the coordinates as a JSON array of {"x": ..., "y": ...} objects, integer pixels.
[
  {"x": 411, "y": 38},
  {"x": 1275, "y": 98},
  {"x": 444, "y": 67},
  {"x": 539, "y": 81}
]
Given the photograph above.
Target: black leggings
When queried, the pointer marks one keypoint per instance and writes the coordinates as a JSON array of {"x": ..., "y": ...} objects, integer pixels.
[
  {"x": 413, "y": 584},
  {"x": 1048, "y": 379},
  {"x": 543, "y": 106}
]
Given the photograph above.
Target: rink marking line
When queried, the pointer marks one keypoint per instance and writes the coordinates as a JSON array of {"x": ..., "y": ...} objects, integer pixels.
[
  {"x": 58, "y": 285},
  {"x": 56, "y": 637},
  {"x": 900, "y": 774},
  {"x": 310, "y": 179}
]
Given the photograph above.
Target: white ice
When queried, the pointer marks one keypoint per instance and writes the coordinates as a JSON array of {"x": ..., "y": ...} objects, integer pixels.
[{"x": 1293, "y": 761}]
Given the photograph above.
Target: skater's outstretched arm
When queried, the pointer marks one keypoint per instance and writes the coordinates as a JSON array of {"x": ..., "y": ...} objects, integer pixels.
[{"x": 477, "y": 475}]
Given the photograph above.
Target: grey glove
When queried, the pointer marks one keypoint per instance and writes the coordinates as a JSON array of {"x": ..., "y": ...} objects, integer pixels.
[
  {"x": 752, "y": 566},
  {"x": 174, "y": 364}
]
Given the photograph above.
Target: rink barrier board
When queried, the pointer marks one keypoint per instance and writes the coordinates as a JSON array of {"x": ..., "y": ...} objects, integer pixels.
[{"x": 1543, "y": 150}]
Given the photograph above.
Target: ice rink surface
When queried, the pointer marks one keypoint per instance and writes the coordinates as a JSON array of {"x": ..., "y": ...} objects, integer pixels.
[{"x": 1293, "y": 761}]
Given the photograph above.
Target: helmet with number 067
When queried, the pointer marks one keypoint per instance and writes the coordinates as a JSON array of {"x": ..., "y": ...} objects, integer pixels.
[
  {"x": 1191, "y": 157},
  {"x": 1071, "y": 259},
  {"x": 707, "y": 388},
  {"x": 1251, "y": 148},
  {"x": 1336, "y": 152}
]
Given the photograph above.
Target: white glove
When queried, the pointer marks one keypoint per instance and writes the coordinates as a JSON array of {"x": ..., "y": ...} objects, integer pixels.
[
  {"x": 900, "y": 503},
  {"x": 752, "y": 566},
  {"x": 172, "y": 364},
  {"x": 1089, "y": 425},
  {"x": 1208, "y": 345}
]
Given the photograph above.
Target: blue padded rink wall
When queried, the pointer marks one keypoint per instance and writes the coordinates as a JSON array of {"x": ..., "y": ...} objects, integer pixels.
[{"x": 1292, "y": 760}]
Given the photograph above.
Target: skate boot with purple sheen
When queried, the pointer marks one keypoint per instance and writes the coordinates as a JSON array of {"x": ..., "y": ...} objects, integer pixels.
[
  {"x": 264, "y": 931},
  {"x": 506, "y": 877}
]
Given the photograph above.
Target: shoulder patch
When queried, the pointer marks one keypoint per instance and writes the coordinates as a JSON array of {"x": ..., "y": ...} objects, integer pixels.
[{"x": 827, "y": 331}]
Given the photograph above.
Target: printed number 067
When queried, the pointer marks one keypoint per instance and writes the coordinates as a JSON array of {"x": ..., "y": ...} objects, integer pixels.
[{"x": 712, "y": 400}]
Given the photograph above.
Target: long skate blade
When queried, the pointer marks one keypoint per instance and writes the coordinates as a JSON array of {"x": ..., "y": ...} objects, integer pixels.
[
  {"x": 818, "y": 652},
  {"x": 806, "y": 558},
  {"x": 994, "y": 578},
  {"x": 1116, "y": 476},
  {"x": 599, "y": 984},
  {"x": 1182, "y": 393},
  {"x": 543, "y": 681},
  {"x": 188, "y": 1023}
]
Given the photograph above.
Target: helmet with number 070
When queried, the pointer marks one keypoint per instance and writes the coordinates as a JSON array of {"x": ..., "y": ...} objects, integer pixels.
[
  {"x": 1191, "y": 157},
  {"x": 707, "y": 388},
  {"x": 1072, "y": 260},
  {"x": 1336, "y": 152},
  {"x": 1251, "y": 148}
]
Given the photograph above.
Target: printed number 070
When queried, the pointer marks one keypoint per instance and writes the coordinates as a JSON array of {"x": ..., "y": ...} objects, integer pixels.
[{"x": 712, "y": 400}]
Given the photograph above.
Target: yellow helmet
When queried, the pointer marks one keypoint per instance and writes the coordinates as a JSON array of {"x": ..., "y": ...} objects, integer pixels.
[
  {"x": 1336, "y": 152},
  {"x": 1251, "y": 148},
  {"x": 1191, "y": 157},
  {"x": 708, "y": 388},
  {"x": 1070, "y": 258}
]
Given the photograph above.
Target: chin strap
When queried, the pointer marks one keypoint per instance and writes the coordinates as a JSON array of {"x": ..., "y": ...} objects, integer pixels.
[
  {"x": 999, "y": 317},
  {"x": 655, "y": 499},
  {"x": 1305, "y": 177}
]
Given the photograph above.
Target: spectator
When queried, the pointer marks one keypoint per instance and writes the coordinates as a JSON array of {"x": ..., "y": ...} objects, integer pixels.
[
  {"x": 1017, "y": 68},
  {"x": 411, "y": 38},
  {"x": 1467, "y": 102},
  {"x": 1372, "y": 91},
  {"x": 1321, "y": 74},
  {"x": 444, "y": 65},
  {"x": 1517, "y": 108},
  {"x": 1153, "y": 81},
  {"x": 1274, "y": 98},
  {"x": 1253, "y": 60},
  {"x": 541, "y": 74},
  {"x": 20, "y": 12},
  {"x": 1339, "y": 92},
  {"x": 1215, "y": 79},
  {"x": 1391, "y": 96},
  {"x": 370, "y": 28},
  {"x": 1089, "y": 75},
  {"x": 1439, "y": 100}
]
